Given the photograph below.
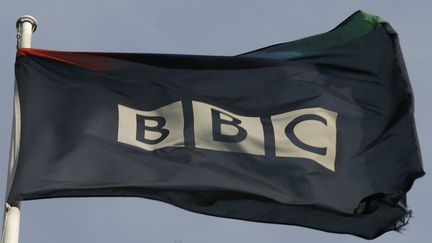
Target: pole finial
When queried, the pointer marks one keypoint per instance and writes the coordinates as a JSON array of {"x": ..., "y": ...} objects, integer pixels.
[{"x": 27, "y": 18}]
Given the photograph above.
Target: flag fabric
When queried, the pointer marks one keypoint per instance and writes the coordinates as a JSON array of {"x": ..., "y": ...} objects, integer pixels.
[{"x": 317, "y": 132}]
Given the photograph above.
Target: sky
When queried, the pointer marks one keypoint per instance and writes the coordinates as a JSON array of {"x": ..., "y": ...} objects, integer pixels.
[{"x": 208, "y": 27}]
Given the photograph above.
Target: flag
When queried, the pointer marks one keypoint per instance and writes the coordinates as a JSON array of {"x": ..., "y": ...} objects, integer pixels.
[{"x": 317, "y": 132}]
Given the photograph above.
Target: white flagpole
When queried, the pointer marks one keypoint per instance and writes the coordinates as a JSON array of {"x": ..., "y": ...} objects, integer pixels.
[{"x": 25, "y": 25}]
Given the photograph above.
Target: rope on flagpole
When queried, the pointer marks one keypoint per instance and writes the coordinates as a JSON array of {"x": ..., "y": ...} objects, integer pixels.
[{"x": 25, "y": 25}]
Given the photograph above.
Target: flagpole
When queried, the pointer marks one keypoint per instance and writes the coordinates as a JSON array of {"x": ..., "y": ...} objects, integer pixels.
[{"x": 25, "y": 25}]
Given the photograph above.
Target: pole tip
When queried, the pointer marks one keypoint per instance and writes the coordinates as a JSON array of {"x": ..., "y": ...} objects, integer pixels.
[{"x": 27, "y": 18}]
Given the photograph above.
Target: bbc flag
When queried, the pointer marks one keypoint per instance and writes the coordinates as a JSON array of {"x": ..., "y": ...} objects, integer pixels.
[{"x": 317, "y": 132}]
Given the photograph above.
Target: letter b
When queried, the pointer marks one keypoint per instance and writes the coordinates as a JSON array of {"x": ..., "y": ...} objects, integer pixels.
[
  {"x": 218, "y": 123},
  {"x": 218, "y": 129},
  {"x": 142, "y": 127},
  {"x": 151, "y": 130}
]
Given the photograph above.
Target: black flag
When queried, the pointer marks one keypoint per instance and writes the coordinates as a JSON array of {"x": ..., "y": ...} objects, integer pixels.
[{"x": 317, "y": 132}]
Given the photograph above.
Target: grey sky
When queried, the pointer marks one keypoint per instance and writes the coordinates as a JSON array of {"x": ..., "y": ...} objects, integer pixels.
[{"x": 218, "y": 27}]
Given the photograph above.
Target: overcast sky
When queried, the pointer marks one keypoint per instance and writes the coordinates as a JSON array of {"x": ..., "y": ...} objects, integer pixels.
[{"x": 218, "y": 27}]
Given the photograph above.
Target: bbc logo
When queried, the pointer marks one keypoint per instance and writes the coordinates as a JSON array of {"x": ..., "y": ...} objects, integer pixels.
[{"x": 304, "y": 133}]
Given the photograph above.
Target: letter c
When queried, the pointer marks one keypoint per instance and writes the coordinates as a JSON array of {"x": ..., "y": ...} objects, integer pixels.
[{"x": 289, "y": 131}]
